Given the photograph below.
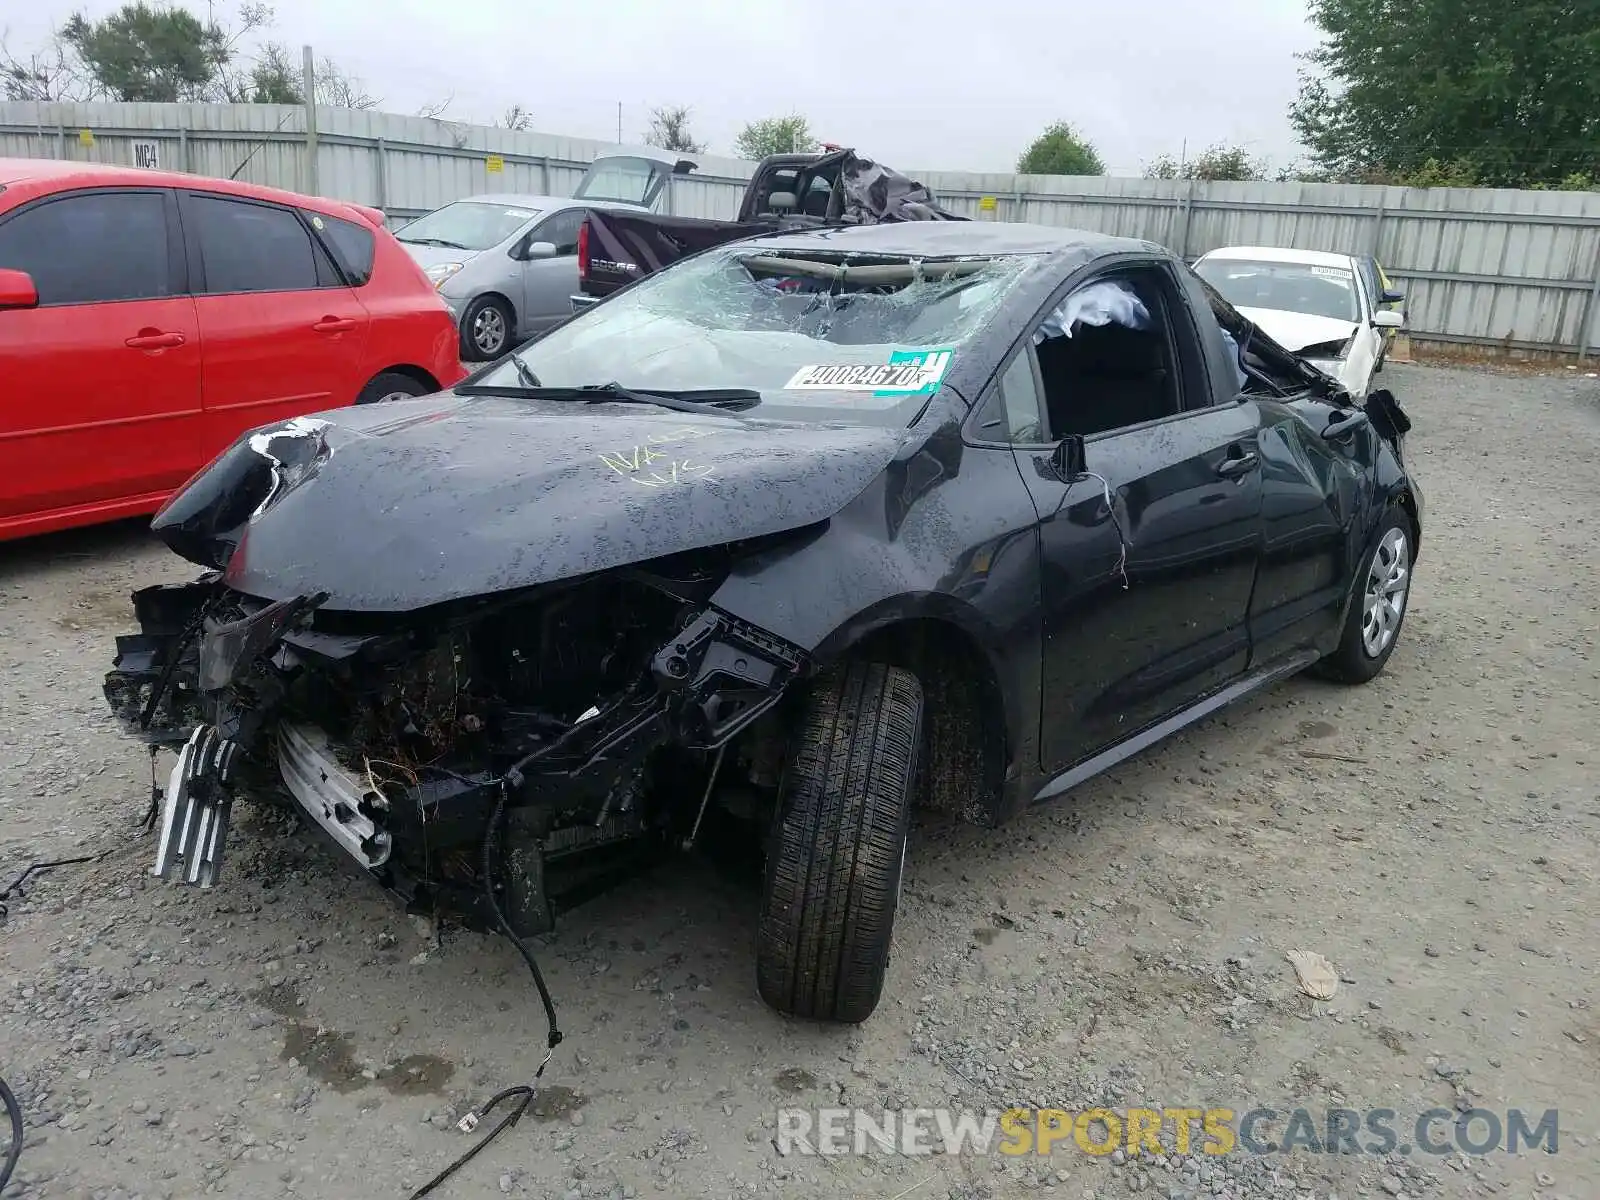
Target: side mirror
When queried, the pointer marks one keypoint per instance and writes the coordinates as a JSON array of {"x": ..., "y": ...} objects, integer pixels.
[
  {"x": 535, "y": 250},
  {"x": 1392, "y": 297},
  {"x": 17, "y": 290},
  {"x": 1068, "y": 460},
  {"x": 1343, "y": 423},
  {"x": 1386, "y": 412},
  {"x": 1387, "y": 318}
]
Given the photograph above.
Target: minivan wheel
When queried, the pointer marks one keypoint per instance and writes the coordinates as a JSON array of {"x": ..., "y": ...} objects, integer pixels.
[
  {"x": 486, "y": 328},
  {"x": 391, "y": 385},
  {"x": 837, "y": 846},
  {"x": 1377, "y": 605}
]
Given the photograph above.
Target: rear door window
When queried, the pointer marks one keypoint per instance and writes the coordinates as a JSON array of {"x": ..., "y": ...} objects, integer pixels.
[
  {"x": 249, "y": 247},
  {"x": 92, "y": 248}
]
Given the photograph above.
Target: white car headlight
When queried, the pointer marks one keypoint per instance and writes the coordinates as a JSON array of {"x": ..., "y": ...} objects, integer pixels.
[{"x": 439, "y": 272}]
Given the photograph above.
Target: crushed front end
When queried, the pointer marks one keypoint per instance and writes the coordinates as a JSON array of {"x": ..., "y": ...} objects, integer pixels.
[{"x": 587, "y": 720}]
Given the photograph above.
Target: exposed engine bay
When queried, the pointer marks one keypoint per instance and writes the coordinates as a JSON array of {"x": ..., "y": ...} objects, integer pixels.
[{"x": 590, "y": 719}]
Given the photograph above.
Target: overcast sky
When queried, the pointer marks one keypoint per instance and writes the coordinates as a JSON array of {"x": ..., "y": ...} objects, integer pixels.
[{"x": 943, "y": 84}]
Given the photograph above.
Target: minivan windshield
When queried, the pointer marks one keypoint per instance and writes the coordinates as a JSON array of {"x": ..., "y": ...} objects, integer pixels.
[
  {"x": 1288, "y": 287},
  {"x": 805, "y": 329},
  {"x": 467, "y": 225}
]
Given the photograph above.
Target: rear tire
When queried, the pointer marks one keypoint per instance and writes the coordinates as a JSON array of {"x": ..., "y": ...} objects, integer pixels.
[
  {"x": 837, "y": 845},
  {"x": 391, "y": 385},
  {"x": 1378, "y": 603}
]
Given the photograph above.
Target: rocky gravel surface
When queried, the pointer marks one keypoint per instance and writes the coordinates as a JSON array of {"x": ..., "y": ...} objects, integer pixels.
[{"x": 1435, "y": 835}]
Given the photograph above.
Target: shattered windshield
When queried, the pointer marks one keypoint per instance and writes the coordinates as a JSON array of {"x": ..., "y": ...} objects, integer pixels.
[
  {"x": 467, "y": 225},
  {"x": 802, "y": 328},
  {"x": 1289, "y": 287}
]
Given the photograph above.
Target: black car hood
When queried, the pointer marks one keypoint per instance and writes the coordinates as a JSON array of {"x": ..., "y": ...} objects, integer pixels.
[{"x": 399, "y": 506}]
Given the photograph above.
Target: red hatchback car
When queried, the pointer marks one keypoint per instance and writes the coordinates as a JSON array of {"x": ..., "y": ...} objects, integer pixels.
[{"x": 148, "y": 318}]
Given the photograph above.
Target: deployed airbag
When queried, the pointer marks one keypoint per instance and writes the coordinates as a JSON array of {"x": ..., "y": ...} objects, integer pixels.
[{"x": 1108, "y": 302}]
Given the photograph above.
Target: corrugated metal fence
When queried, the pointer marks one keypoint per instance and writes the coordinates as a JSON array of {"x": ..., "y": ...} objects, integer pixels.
[{"x": 1519, "y": 270}]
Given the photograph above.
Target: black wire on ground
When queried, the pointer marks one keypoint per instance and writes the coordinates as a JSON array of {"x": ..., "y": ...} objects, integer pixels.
[
  {"x": 14, "y": 1115},
  {"x": 37, "y": 868},
  {"x": 526, "y": 1091}
]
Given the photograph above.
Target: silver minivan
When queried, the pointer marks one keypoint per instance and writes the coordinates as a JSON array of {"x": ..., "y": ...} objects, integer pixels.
[{"x": 506, "y": 264}]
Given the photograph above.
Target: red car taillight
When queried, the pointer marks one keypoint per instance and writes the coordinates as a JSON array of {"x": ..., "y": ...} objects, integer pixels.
[{"x": 583, "y": 250}]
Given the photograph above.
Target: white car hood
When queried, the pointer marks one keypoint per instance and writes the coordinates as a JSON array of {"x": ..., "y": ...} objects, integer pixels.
[{"x": 1295, "y": 331}]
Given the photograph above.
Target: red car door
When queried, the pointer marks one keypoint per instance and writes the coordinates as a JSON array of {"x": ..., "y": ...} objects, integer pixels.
[
  {"x": 283, "y": 333},
  {"x": 101, "y": 403}
]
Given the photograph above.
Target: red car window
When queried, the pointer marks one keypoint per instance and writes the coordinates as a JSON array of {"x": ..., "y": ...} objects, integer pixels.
[
  {"x": 352, "y": 245},
  {"x": 91, "y": 248},
  {"x": 256, "y": 248}
]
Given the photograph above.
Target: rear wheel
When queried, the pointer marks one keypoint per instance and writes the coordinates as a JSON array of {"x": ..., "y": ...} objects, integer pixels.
[
  {"x": 486, "y": 328},
  {"x": 1378, "y": 606},
  {"x": 838, "y": 844},
  {"x": 391, "y": 385}
]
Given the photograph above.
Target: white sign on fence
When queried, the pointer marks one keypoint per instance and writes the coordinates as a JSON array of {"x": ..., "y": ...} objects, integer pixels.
[{"x": 147, "y": 155}]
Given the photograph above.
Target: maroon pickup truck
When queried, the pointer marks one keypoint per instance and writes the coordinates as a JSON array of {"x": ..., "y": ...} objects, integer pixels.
[{"x": 787, "y": 191}]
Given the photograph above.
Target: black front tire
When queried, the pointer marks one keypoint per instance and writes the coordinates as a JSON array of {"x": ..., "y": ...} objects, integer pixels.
[
  {"x": 486, "y": 329},
  {"x": 1357, "y": 660},
  {"x": 838, "y": 843}
]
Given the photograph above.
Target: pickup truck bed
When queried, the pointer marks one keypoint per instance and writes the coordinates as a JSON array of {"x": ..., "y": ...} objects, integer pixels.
[{"x": 787, "y": 191}]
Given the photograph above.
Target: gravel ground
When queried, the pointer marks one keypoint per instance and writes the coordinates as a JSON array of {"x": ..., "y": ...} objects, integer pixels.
[{"x": 1434, "y": 834}]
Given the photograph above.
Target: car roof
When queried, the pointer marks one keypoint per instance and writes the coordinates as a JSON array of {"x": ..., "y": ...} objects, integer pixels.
[
  {"x": 53, "y": 174},
  {"x": 954, "y": 239},
  {"x": 1309, "y": 258},
  {"x": 542, "y": 203}
]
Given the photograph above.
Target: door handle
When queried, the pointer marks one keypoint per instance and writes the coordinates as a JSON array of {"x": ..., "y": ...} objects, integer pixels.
[
  {"x": 334, "y": 325},
  {"x": 1235, "y": 465},
  {"x": 154, "y": 340}
]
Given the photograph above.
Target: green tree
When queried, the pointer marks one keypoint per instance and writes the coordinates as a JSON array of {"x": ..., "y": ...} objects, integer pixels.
[
  {"x": 145, "y": 53},
  {"x": 1060, "y": 150},
  {"x": 277, "y": 77},
  {"x": 775, "y": 135},
  {"x": 669, "y": 129},
  {"x": 1510, "y": 92},
  {"x": 1215, "y": 163}
]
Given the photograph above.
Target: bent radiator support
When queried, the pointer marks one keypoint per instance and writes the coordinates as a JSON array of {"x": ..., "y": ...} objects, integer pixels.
[{"x": 194, "y": 820}]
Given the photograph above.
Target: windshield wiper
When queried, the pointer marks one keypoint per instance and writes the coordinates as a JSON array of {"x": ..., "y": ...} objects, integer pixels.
[
  {"x": 524, "y": 371},
  {"x": 709, "y": 401},
  {"x": 448, "y": 245}
]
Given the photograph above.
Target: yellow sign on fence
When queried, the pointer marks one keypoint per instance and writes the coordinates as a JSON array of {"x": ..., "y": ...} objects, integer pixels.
[
  {"x": 986, "y": 203},
  {"x": 494, "y": 164},
  {"x": 85, "y": 137}
]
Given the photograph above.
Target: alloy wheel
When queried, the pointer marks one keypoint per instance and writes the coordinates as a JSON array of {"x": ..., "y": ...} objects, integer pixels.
[
  {"x": 1388, "y": 581},
  {"x": 489, "y": 331}
]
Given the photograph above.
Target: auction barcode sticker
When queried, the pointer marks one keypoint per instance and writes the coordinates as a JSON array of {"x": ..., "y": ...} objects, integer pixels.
[{"x": 907, "y": 371}]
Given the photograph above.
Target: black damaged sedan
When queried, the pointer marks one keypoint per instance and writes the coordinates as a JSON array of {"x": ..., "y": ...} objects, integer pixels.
[{"x": 799, "y": 533}]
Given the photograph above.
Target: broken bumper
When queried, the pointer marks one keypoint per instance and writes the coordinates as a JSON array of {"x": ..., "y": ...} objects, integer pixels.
[
  {"x": 236, "y": 684},
  {"x": 351, "y": 810}
]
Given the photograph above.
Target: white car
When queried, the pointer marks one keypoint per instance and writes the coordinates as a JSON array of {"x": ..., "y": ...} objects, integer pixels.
[{"x": 1318, "y": 305}]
